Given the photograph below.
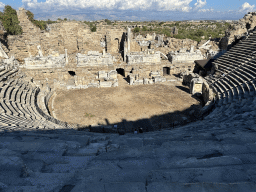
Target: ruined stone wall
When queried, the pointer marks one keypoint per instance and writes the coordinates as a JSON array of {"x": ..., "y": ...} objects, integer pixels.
[
  {"x": 72, "y": 35},
  {"x": 238, "y": 30},
  {"x": 134, "y": 46}
]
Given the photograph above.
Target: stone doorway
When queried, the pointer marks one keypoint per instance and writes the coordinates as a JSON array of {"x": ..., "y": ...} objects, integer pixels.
[
  {"x": 166, "y": 71},
  {"x": 120, "y": 71}
]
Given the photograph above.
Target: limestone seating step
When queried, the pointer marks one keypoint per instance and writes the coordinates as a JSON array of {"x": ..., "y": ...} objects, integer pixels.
[
  {"x": 233, "y": 60},
  {"x": 241, "y": 49},
  {"x": 19, "y": 121},
  {"x": 244, "y": 79},
  {"x": 221, "y": 96},
  {"x": 19, "y": 97},
  {"x": 251, "y": 66},
  {"x": 8, "y": 92},
  {"x": 230, "y": 89},
  {"x": 239, "y": 56},
  {"x": 224, "y": 91},
  {"x": 14, "y": 93},
  {"x": 24, "y": 111},
  {"x": 6, "y": 107},
  {"x": 231, "y": 86},
  {"x": 189, "y": 161},
  {"x": 241, "y": 53},
  {"x": 226, "y": 68},
  {"x": 240, "y": 89},
  {"x": 250, "y": 75},
  {"x": 225, "y": 58},
  {"x": 230, "y": 63},
  {"x": 16, "y": 123},
  {"x": 20, "y": 109},
  {"x": 249, "y": 70},
  {"x": 242, "y": 75},
  {"x": 3, "y": 91},
  {"x": 222, "y": 71},
  {"x": 10, "y": 73},
  {"x": 3, "y": 72},
  {"x": 11, "y": 107},
  {"x": 2, "y": 108}
]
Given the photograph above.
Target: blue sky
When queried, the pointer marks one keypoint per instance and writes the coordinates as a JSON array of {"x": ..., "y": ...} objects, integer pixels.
[{"x": 135, "y": 9}]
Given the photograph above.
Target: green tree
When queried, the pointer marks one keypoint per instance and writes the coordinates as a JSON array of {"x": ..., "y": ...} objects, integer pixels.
[
  {"x": 161, "y": 23},
  {"x": 144, "y": 28},
  {"x": 108, "y": 22},
  {"x": 136, "y": 30},
  {"x": 93, "y": 28},
  {"x": 10, "y": 21},
  {"x": 40, "y": 24},
  {"x": 65, "y": 19}
]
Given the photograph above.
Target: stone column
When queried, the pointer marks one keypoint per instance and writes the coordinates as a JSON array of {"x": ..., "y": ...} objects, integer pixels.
[
  {"x": 66, "y": 56},
  {"x": 125, "y": 51},
  {"x": 40, "y": 53},
  {"x": 128, "y": 39}
]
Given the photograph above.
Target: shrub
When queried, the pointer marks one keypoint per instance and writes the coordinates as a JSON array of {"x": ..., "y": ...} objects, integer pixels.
[
  {"x": 93, "y": 28},
  {"x": 144, "y": 28},
  {"x": 10, "y": 21},
  {"x": 108, "y": 22},
  {"x": 136, "y": 30}
]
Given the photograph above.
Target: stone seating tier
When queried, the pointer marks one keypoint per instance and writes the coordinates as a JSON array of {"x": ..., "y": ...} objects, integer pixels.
[{"x": 224, "y": 141}]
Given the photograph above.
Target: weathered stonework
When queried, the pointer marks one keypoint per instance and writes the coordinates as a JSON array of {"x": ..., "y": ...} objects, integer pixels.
[
  {"x": 44, "y": 62},
  {"x": 72, "y": 35},
  {"x": 143, "y": 57},
  {"x": 94, "y": 58},
  {"x": 184, "y": 56}
]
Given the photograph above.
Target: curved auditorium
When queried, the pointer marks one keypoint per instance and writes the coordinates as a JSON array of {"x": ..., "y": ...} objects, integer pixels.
[{"x": 216, "y": 151}]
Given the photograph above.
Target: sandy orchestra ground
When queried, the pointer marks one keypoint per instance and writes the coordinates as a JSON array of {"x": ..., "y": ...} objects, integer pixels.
[{"x": 166, "y": 103}]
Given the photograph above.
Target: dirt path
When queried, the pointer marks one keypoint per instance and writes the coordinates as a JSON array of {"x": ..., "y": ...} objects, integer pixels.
[{"x": 160, "y": 102}]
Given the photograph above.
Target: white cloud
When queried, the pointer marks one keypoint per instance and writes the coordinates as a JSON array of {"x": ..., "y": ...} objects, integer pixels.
[
  {"x": 246, "y": 7},
  {"x": 206, "y": 10},
  {"x": 2, "y": 5},
  {"x": 199, "y": 4},
  {"x": 158, "y": 5}
]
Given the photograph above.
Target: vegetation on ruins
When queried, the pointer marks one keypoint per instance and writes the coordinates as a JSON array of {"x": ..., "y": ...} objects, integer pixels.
[
  {"x": 196, "y": 31},
  {"x": 10, "y": 21},
  {"x": 41, "y": 24},
  {"x": 93, "y": 28},
  {"x": 92, "y": 25},
  {"x": 136, "y": 30},
  {"x": 50, "y": 21},
  {"x": 108, "y": 22}
]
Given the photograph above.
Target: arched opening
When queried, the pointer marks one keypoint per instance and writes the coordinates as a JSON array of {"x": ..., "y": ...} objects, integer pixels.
[
  {"x": 72, "y": 73},
  {"x": 120, "y": 71},
  {"x": 166, "y": 71}
]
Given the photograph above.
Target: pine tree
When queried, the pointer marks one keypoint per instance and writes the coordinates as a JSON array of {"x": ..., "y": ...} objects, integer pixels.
[{"x": 10, "y": 21}]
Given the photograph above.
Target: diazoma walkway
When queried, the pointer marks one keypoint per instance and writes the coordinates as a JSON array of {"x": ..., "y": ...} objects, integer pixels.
[{"x": 217, "y": 153}]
